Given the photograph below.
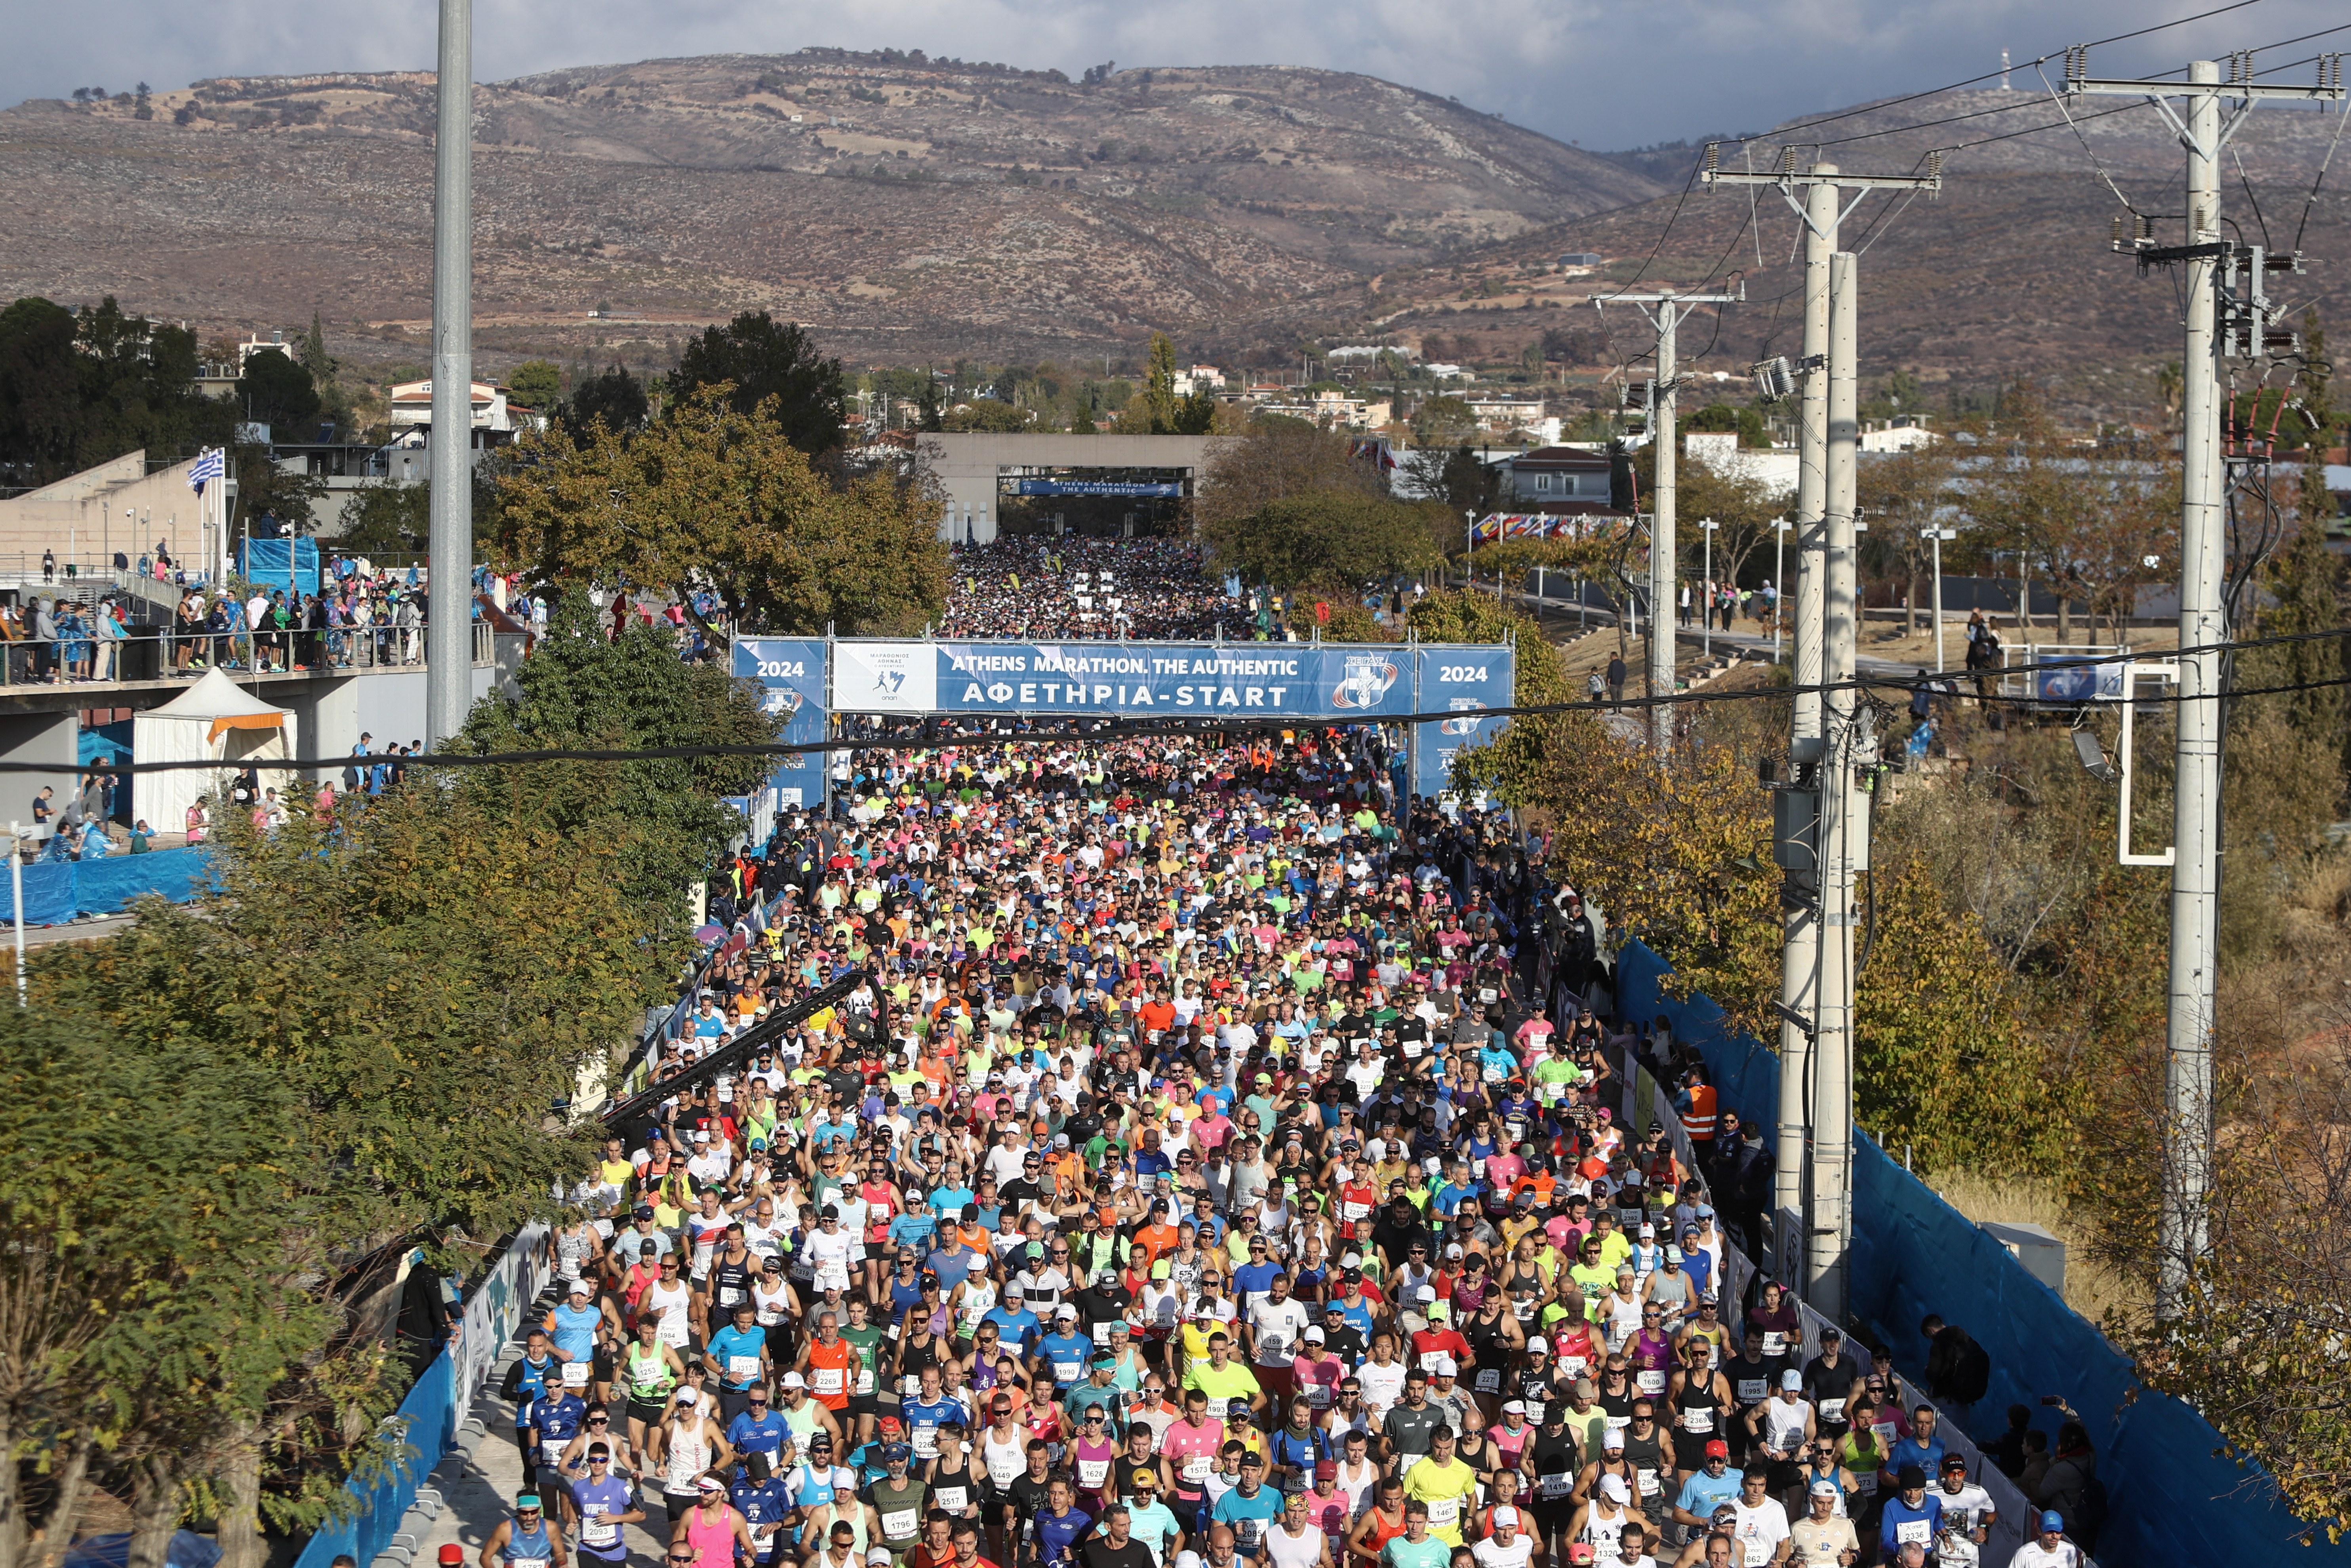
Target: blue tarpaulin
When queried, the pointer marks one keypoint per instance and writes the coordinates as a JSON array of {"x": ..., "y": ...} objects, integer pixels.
[
  {"x": 188, "y": 1549},
  {"x": 280, "y": 563},
  {"x": 2174, "y": 1500},
  {"x": 105, "y": 886},
  {"x": 56, "y": 891}
]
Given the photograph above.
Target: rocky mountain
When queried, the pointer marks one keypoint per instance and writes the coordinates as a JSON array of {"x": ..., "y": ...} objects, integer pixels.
[
  {"x": 909, "y": 208},
  {"x": 2008, "y": 270}
]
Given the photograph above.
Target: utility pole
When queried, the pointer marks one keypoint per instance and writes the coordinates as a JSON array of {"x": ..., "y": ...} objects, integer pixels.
[
  {"x": 2212, "y": 265},
  {"x": 1935, "y": 538},
  {"x": 1667, "y": 317},
  {"x": 1802, "y": 840},
  {"x": 449, "y": 598},
  {"x": 1706, "y": 642}
]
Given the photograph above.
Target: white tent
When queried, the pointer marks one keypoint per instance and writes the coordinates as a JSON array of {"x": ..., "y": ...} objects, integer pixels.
[{"x": 215, "y": 720}]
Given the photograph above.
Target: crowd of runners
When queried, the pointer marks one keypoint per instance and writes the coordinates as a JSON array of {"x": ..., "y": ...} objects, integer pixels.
[
  {"x": 1219, "y": 1163},
  {"x": 1041, "y": 590}
]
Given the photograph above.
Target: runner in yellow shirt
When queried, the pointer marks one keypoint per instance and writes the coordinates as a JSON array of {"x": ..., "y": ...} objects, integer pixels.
[{"x": 1447, "y": 1486}]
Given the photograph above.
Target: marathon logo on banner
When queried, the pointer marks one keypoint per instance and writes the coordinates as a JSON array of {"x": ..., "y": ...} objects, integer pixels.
[
  {"x": 792, "y": 670},
  {"x": 1463, "y": 682},
  {"x": 1175, "y": 679}
]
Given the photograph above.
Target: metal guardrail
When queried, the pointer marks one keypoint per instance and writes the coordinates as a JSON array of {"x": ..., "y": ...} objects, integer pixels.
[{"x": 168, "y": 653}]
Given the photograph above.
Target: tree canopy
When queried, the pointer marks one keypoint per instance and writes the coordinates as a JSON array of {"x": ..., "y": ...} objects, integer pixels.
[
  {"x": 537, "y": 385},
  {"x": 1341, "y": 537},
  {"x": 758, "y": 358},
  {"x": 77, "y": 388},
  {"x": 713, "y": 497}
]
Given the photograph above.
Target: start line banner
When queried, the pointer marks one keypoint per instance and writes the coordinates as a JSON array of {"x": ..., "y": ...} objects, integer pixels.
[
  {"x": 1305, "y": 681},
  {"x": 810, "y": 680}
]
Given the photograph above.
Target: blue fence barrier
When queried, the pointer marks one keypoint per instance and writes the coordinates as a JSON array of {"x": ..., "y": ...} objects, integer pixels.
[
  {"x": 430, "y": 1412},
  {"x": 56, "y": 891},
  {"x": 2174, "y": 1499}
]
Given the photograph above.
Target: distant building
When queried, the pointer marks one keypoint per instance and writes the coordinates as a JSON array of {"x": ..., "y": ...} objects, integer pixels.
[
  {"x": 1562, "y": 478},
  {"x": 1581, "y": 258},
  {"x": 496, "y": 421},
  {"x": 1199, "y": 377},
  {"x": 1906, "y": 432},
  {"x": 1444, "y": 372}
]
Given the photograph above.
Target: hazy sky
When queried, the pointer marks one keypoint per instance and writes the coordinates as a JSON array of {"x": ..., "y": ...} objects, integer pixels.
[{"x": 1609, "y": 75}]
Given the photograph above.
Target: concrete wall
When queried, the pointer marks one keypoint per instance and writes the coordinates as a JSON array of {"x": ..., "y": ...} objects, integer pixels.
[
  {"x": 47, "y": 738},
  {"x": 392, "y": 707},
  {"x": 968, "y": 465},
  {"x": 83, "y": 515}
]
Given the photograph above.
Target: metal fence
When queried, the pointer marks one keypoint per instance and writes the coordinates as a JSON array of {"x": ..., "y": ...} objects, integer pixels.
[{"x": 168, "y": 652}]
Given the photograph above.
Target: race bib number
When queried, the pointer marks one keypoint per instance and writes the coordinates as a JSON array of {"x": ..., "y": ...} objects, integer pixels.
[
  {"x": 1092, "y": 1473},
  {"x": 600, "y": 1532},
  {"x": 1618, "y": 1423},
  {"x": 1832, "y": 1410},
  {"x": 899, "y": 1523},
  {"x": 909, "y": 1385},
  {"x": 1652, "y": 1382},
  {"x": 865, "y": 1380},
  {"x": 1557, "y": 1485},
  {"x": 1755, "y": 1551},
  {"x": 742, "y": 1368},
  {"x": 828, "y": 1380},
  {"x": 954, "y": 1500},
  {"x": 1913, "y": 1529},
  {"x": 1430, "y": 1358},
  {"x": 525, "y": 1562},
  {"x": 927, "y": 1441},
  {"x": 1197, "y": 1468},
  {"x": 1698, "y": 1420},
  {"x": 1574, "y": 1365},
  {"x": 728, "y": 1295},
  {"x": 1775, "y": 1344},
  {"x": 1250, "y": 1531},
  {"x": 1750, "y": 1390},
  {"x": 1002, "y": 1471},
  {"x": 1865, "y": 1482},
  {"x": 1649, "y": 1480},
  {"x": 1443, "y": 1512},
  {"x": 1489, "y": 1380},
  {"x": 1067, "y": 1371},
  {"x": 1100, "y": 1330}
]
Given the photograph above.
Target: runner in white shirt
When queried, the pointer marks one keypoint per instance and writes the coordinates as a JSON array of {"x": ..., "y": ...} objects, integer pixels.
[
  {"x": 2050, "y": 1549},
  {"x": 1762, "y": 1523}
]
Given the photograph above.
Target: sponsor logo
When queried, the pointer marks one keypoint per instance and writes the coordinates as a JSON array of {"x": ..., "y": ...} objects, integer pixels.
[
  {"x": 1367, "y": 681},
  {"x": 1464, "y": 720},
  {"x": 889, "y": 682},
  {"x": 780, "y": 699}
]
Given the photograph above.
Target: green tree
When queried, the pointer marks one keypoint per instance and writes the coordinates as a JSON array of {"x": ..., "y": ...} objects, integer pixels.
[
  {"x": 386, "y": 517},
  {"x": 275, "y": 391},
  {"x": 1159, "y": 397},
  {"x": 580, "y": 688},
  {"x": 616, "y": 399},
  {"x": 537, "y": 385},
  {"x": 989, "y": 413},
  {"x": 714, "y": 498},
  {"x": 928, "y": 416},
  {"x": 1327, "y": 537},
  {"x": 1444, "y": 421},
  {"x": 1271, "y": 459},
  {"x": 758, "y": 358}
]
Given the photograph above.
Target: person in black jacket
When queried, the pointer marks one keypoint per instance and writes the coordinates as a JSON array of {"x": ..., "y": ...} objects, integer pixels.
[{"x": 1958, "y": 1370}]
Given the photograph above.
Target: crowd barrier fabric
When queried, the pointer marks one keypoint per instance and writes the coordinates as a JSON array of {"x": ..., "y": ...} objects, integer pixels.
[
  {"x": 429, "y": 1420},
  {"x": 2174, "y": 1499},
  {"x": 56, "y": 891},
  {"x": 495, "y": 1311}
]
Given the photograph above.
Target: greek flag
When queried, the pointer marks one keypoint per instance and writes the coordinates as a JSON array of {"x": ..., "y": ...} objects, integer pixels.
[{"x": 210, "y": 464}]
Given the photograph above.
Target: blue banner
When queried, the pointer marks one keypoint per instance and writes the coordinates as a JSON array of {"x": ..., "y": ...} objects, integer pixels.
[
  {"x": 1093, "y": 487},
  {"x": 1462, "y": 682},
  {"x": 792, "y": 669},
  {"x": 289, "y": 564},
  {"x": 1160, "y": 680}
]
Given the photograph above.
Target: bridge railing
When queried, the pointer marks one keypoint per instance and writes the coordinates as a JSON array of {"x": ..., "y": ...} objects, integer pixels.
[{"x": 164, "y": 653}]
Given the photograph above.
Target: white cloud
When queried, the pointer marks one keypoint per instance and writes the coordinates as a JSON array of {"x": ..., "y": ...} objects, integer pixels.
[{"x": 1607, "y": 74}]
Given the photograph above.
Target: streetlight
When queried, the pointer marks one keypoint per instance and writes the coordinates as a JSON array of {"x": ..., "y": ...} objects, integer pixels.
[
  {"x": 1706, "y": 638},
  {"x": 1469, "y": 561},
  {"x": 1935, "y": 538},
  {"x": 1779, "y": 580},
  {"x": 16, "y": 883}
]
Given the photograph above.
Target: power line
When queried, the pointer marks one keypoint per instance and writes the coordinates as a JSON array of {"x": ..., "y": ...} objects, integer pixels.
[
  {"x": 1128, "y": 728},
  {"x": 1783, "y": 131}
]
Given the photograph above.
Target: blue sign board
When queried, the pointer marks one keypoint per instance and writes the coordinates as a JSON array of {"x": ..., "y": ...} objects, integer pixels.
[
  {"x": 1462, "y": 682},
  {"x": 1093, "y": 487},
  {"x": 2059, "y": 680},
  {"x": 1158, "y": 680},
  {"x": 792, "y": 670}
]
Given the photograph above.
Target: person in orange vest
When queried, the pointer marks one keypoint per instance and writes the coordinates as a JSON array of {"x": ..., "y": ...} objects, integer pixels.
[{"x": 1696, "y": 1106}]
